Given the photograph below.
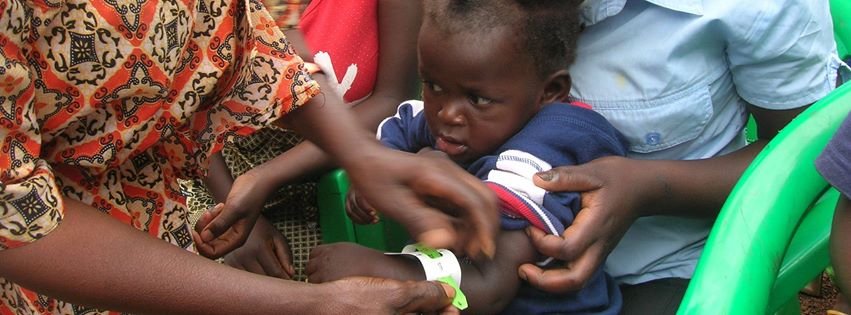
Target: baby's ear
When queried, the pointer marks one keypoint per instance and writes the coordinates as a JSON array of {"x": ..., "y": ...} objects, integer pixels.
[{"x": 556, "y": 87}]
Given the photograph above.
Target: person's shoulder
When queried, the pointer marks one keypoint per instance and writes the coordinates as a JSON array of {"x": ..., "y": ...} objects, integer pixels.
[{"x": 578, "y": 120}]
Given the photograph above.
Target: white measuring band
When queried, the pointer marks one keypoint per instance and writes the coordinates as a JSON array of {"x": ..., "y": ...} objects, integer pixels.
[{"x": 444, "y": 265}]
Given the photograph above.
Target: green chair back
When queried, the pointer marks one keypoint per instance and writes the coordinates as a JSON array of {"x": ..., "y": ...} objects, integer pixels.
[{"x": 386, "y": 235}]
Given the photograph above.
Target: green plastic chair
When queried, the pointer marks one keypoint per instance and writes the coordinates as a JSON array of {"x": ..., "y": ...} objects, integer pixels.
[
  {"x": 841, "y": 10},
  {"x": 771, "y": 236}
]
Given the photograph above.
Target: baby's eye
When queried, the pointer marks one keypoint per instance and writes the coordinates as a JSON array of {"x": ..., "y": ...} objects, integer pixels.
[
  {"x": 478, "y": 100},
  {"x": 433, "y": 87}
]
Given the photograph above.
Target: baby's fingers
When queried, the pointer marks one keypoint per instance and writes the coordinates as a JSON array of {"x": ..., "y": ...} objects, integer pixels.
[{"x": 359, "y": 211}]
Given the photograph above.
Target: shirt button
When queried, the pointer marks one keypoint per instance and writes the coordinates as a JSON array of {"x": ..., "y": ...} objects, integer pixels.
[{"x": 653, "y": 138}]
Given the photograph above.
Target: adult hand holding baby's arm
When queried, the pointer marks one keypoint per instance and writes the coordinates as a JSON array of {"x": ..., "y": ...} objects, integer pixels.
[
  {"x": 609, "y": 206},
  {"x": 440, "y": 204}
]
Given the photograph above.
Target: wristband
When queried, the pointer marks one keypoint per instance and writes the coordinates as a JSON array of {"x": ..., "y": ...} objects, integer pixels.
[{"x": 440, "y": 265}]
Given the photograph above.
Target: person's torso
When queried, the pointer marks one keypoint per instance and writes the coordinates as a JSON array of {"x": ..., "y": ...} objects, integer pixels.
[{"x": 660, "y": 73}]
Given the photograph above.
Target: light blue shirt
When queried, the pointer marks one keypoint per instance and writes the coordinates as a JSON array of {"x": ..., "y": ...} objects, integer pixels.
[{"x": 674, "y": 77}]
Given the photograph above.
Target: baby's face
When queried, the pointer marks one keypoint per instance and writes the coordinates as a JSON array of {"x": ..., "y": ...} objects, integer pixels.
[{"x": 478, "y": 89}]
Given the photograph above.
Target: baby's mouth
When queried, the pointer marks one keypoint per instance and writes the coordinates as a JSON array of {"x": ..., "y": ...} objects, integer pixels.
[{"x": 450, "y": 146}]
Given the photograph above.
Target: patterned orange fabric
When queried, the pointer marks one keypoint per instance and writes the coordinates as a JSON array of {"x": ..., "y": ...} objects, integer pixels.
[{"x": 109, "y": 102}]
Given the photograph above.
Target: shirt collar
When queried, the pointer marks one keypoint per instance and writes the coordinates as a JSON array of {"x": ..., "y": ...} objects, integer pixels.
[{"x": 594, "y": 11}]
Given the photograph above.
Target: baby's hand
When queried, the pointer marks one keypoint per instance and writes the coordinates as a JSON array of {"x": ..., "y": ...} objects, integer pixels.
[{"x": 359, "y": 210}]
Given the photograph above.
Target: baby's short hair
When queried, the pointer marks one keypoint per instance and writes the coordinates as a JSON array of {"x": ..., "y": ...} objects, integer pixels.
[{"x": 548, "y": 29}]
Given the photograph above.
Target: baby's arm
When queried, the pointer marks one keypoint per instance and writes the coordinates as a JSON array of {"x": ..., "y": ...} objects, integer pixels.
[{"x": 488, "y": 284}]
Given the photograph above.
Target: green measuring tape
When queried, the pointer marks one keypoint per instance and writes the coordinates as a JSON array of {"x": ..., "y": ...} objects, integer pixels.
[{"x": 460, "y": 300}]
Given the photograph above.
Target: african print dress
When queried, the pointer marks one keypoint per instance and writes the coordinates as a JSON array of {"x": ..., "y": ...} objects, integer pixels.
[
  {"x": 110, "y": 102},
  {"x": 344, "y": 36}
]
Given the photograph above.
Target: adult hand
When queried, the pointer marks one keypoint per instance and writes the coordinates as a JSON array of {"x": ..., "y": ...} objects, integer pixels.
[
  {"x": 227, "y": 226},
  {"x": 265, "y": 252},
  {"x": 609, "y": 206},
  {"x": 386, "y": 296},
  {"x": 439, "y": 203}
]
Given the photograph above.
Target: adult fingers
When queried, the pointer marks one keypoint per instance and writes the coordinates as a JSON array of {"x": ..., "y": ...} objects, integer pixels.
[
  {"x": 226, "y": 218},
  {"x": 567, "y": 178},
  {"x": 231, "y": 239},
  {"x": 427, "y": 297},
  {"x": 476, "y": 205},
  {"x": 283, "y": 255},
  {"x": 202, "y": 248},
  {"x": 581, "y": 263},
  {"x": 268, "y": 261},
  {"x": 427, "y": 225},
  {"x": 208, "y": 216},
  {"x": 547, "y": 244},
  {"x": 571, "y": 278}
]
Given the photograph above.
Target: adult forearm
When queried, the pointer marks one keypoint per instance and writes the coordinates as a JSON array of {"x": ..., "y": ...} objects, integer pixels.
[
  {"x": 328, "y": 125},
  {"x": 298, "y": 163},
  {"x": 690, "y": 188},
  {"x": 87, "y": 260}
]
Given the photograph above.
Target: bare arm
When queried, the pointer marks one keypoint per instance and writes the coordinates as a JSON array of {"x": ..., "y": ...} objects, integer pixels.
[
  {"x": 154, "y": 277},
  {"x": 701, "y": 186},
  {"x": 840, "y": 238},
  {"x": 675, "y": 181},
  {"x": 76, "y": 265},
  {"x": 488, "y": 284},
  {"x": 396, "y": 82}
]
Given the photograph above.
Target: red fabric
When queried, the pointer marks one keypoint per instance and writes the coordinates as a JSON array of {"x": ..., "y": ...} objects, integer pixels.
[{"x": 348, "y": 31}]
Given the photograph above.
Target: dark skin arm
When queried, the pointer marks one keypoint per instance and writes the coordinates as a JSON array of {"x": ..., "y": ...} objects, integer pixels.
[
  {"x": 132, "y": 272},
  {"x": 154, "y": 277},
  {"x": 618, "y": 190},
  {"x": 840, "y": 238},
  {"x": 396, "y": 81},
  {"x": 488, "y": 284}
]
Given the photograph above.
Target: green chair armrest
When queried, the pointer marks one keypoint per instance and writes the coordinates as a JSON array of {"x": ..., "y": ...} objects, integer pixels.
[{"x": 747, "y": 244}]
